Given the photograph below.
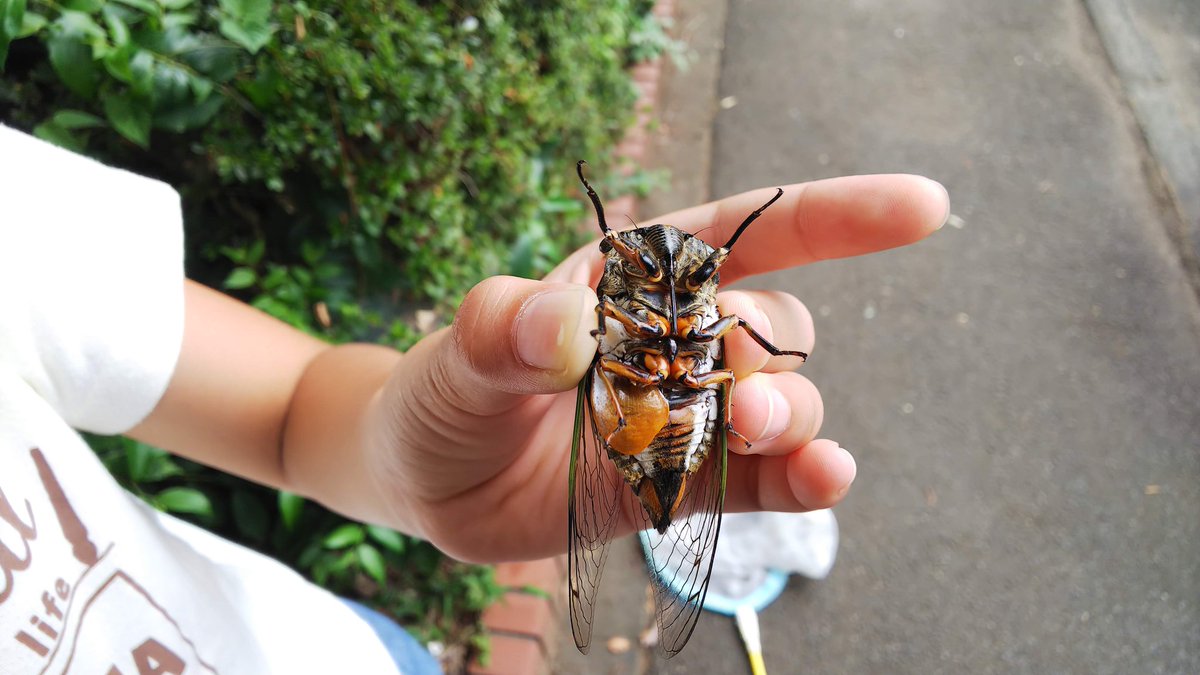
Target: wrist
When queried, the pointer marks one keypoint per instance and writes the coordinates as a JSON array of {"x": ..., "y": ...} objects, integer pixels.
[{"x": 330, "y": 443}]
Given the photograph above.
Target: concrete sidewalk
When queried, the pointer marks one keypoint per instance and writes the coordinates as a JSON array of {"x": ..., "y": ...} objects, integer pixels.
[{"x": 1022, "y": 390}]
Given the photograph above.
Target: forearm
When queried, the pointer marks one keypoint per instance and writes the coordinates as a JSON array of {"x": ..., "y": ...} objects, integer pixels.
[
  {"x": 331, "y": 427},
  {"x": 255, "y": 397}
]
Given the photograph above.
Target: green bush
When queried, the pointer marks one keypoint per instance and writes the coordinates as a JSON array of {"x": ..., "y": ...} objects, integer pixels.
[{"x": 341, "y": 164}]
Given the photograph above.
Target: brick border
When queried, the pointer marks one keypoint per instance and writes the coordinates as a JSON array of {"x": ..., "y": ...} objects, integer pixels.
[{"x": 523, "y": 624}]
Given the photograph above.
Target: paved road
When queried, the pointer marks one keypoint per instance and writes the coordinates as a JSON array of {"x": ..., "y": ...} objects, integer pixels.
[{"x": 1022, "y": 390}]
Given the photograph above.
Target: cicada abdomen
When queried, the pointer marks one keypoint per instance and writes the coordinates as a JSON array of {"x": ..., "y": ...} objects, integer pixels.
[{"x": 652, "y": 418}]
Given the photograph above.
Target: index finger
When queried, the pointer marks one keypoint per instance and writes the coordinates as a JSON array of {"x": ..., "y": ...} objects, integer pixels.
[{"x": 832, "y": 218}]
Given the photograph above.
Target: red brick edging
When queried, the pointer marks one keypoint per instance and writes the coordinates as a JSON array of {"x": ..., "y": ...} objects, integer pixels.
[{"x": 523, "y": 624}]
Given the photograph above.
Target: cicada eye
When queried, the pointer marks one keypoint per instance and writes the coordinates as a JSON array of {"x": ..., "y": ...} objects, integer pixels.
[
  {"x": 701, "y": 274},
  {"x": 653, "y": 271}
]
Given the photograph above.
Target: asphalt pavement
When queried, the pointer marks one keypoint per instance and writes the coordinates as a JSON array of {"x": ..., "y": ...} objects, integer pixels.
[{"x": 1021, "y": 390}]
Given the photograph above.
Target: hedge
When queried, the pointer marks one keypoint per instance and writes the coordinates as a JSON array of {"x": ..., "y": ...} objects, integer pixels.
[{"x": 341, "y": 165}]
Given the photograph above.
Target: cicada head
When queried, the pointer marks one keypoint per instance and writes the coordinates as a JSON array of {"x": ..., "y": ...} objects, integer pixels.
[
  {"x": 662, "y": 258},
  {"x": 663, "y": 266},
  {"x": 657, "y": 253}
]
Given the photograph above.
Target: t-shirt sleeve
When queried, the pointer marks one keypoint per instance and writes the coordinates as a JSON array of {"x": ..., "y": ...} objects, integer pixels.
[{"x": 91, "y": 283}]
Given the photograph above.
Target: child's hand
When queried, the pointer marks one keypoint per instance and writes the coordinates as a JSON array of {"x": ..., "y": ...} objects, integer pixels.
[
  {"x": 469, "y": 441},
  {"x": 466, "y": 439}
]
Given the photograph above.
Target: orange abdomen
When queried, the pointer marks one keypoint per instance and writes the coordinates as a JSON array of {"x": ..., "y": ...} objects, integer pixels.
[{"x": 645, "y": 410}]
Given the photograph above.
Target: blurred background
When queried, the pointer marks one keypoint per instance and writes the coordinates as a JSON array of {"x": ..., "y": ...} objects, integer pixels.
[{"x": 1021, "y": 390}]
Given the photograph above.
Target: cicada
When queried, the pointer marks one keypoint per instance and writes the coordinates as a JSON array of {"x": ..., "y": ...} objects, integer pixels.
[{"x": 652, "y": 419}]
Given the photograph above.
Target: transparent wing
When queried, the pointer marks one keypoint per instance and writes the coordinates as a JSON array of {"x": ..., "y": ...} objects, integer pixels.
[
  {"x": 592, "y": 512},
  {"x": 681, "y": 560}
]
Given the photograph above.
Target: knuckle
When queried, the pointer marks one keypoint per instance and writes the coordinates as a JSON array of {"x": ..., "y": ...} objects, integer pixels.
[{"x": 473, "y": 332}]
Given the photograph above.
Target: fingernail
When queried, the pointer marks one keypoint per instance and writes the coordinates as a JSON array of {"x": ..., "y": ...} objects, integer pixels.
[
  {"x": 779, "y": 416},
  {"x": 547, "y": 326},
  {"x": 846, "y": 469},
  {"x": 945, "y": 195}
]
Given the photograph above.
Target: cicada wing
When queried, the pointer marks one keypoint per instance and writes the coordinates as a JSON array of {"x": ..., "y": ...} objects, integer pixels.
[
  {"x": 592, "y": 513},
  {"x": 681, "y": 560}
]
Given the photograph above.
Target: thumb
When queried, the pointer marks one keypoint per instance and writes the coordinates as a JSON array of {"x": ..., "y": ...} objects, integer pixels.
[
  {"x": 452, "y": 413},
  {"x": 514, "y": 337}
]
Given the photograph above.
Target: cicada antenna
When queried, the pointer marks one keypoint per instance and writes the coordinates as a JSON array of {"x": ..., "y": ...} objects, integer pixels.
[
  {"x": 612, "y": 240},
  {"x": 632, "y": 222},
  {"x": 592, "y": 196},
  {"x": 750, "y": 219},
  {"x": 705, "y": 271}
]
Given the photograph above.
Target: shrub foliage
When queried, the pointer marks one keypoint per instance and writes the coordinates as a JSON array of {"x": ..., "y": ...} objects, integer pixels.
[{"x": 340, "y": 164}]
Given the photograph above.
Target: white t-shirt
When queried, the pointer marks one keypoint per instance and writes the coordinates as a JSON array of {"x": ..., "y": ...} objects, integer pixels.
[{"x": 91, "y": 579}]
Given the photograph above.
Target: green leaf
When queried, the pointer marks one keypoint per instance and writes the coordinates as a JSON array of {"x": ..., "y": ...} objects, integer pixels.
[
  {"x": 175, "y": 4},
  {"x": 312, "y": 252},
  {"x": 145, "y": 6},
  {"x": 60, "y": 129},
  {"x": 12, "y": 23},
  {"x": 138, "y": 457},
  {"x": 255, "y": 252},
  {"x": 130, "y": 116},
  {"x": 12, "y": 17},
  {"x": 201, "y": 87},
  {"x": 247, "y": 11},
  {"x": 211, "y": 56},
  {"x": 148, "y": 464},
  {"x": 141, "y": 74},
  {"x": 184, "y": 500},
  {"x": 170, "y": 86},
  {"x": 290, "y": 507},
  {"x": 79, "y": 25},
  {"x": 76, "y": 119},
  {"x": 31, "y": 24},
  {"x": 170, "y": 41},
  {"x": 179, "y": 19},
  {"x": 72, "y": 60},
  {"x": 60, "y": 136},
  {"x": 240, "y": 277},
  {"x": 247, "y": 22},
  {"x": 87, "y": 6},
  {"x": 234, "y": 253},
  {"x": 349, "y": 534},
  {"x": 249, "y": 515},
  {"x": 188, "y": 116},
  {"x": 251, "y": 36},
  {"x": 117, "y": 61},
  {"x": 372, "y": 562},
  {"x": 117, "y": 30},
  {"x": 389, "y": 539},
  {"x": 161, "y": 468},
  {"x": 343, "y": 562}
]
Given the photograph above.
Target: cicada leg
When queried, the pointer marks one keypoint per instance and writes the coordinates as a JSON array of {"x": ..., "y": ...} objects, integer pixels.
[
  {"x": 632, "y": 322},
  {"x": 726, "y": 324},
  {"x": 607, "y": 366},
  {"x": 713, "y": 377}
]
